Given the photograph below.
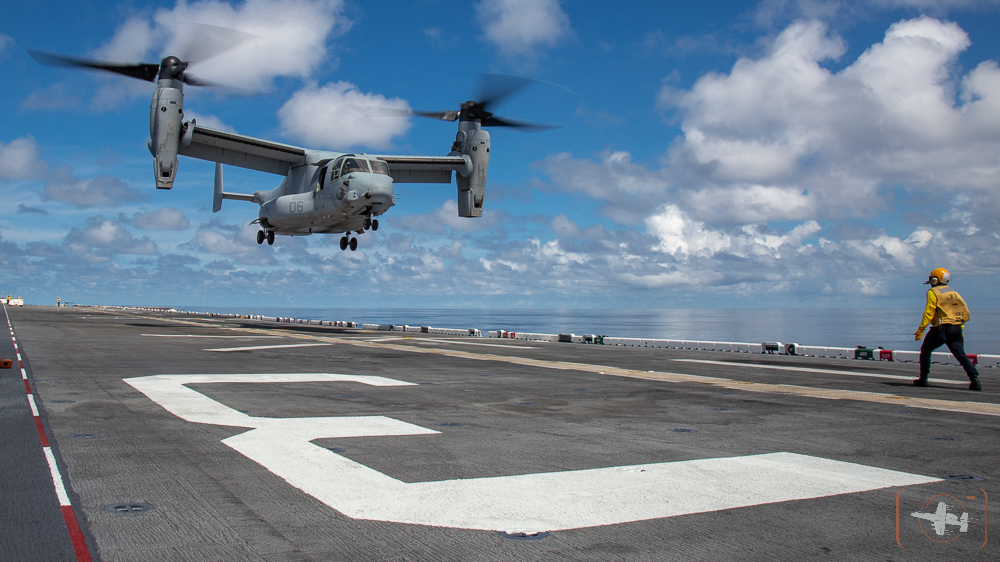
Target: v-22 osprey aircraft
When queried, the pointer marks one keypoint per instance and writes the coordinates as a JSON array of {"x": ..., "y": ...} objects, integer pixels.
[{"x": 323, "y": 191}]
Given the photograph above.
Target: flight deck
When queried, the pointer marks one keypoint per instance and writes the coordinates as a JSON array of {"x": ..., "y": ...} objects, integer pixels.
[{"x": 197, "y": 438}]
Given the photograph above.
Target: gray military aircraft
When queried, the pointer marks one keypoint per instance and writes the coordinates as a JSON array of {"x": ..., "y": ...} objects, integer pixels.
[{"x": 323, "y": 191}]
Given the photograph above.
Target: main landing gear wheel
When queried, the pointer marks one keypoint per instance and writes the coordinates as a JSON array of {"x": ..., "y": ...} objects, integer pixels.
[
  {"x": 367, "y": 223},
  {"x": 354, "y": 244},
  {"x": 374, "y": 224},
  {"x": 343, "y": 243},
  {"x": 270, "y": 237},
  {"x": 260, "y": 236}
]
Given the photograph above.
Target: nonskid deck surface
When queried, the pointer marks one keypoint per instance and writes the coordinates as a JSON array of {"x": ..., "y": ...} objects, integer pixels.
[{"x": 246, "y": 440}]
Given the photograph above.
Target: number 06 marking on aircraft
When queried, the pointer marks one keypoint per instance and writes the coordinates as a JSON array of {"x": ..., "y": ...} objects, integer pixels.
[{"x": 528, "y": 502}]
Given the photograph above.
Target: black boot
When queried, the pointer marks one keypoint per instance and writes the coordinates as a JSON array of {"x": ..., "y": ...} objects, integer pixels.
[
  {"x": 974, "y": 384},
  {"x": 922, "y": 381}
]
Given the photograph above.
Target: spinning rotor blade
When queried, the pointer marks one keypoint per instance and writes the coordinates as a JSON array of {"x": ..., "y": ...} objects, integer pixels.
[
  {"x": 203, "y": 41},
  {"x": 374, "y": 111},
  {"x": 198, "y": 42},
  {"x": 493, "y": 90},
  {"x": 142, "y": 71},
  {"x": 517, "y": 124},
  {"x": 192, "y": 81},
  {"x": 449, "y": 115}
]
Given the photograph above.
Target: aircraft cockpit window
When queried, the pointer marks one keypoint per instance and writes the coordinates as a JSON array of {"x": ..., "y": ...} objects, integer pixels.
[
  {"x": 380, "y": 167},
  {"x": 354, "y": 165}
]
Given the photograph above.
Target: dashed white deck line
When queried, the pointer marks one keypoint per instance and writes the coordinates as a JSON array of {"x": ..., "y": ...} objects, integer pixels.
[
  {"x": 409, "y": 339},
  {"x": 426, "y": 340},
  {"x": 814, "y": 370},
  {"x": 57, "y": 480},
  {"x": 256, "y": 347},
  {"x": 374, "y": 340},
  {"x": 110, "y": 317},
  {"x": 204, "y": 336},
  {"x": 527, "y": 502}
]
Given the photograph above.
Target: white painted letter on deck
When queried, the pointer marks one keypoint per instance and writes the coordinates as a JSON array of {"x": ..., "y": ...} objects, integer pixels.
[{"x": 527, "y": 502}]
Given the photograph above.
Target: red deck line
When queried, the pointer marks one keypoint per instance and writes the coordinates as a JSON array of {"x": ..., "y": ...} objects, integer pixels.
[
  {"x": 75, "y": 534},
  {"x": 41, "y": 432},
  {"x": 69, "y": 516}
]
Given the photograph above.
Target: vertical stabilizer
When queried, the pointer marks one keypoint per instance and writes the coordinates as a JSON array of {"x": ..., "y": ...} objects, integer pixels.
[{"x": 217, "y": 200}]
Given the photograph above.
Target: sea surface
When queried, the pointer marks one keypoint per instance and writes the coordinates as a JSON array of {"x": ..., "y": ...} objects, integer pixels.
[{"x": 870, "y": 327}]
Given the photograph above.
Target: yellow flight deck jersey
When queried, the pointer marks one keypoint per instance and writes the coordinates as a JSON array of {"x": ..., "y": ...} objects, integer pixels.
[{"x": 944, "y": 306}]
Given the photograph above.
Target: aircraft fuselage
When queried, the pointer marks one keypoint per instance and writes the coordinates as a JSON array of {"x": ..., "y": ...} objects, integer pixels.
[{"x": 338, "y": 198}]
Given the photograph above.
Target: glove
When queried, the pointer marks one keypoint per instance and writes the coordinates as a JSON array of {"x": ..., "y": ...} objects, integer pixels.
[{"x": 918, "y": 334}]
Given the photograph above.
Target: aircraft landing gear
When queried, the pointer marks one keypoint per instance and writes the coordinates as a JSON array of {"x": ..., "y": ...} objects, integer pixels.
[
  {"x": 265, "y": 235},
  {"x": 354, "y": 244},
  {"x": 370, "y": 223},
  {"x": 343, "y": 243},
  {"x": 346, "y": 242},
  {"x": 374, "y": 224}
]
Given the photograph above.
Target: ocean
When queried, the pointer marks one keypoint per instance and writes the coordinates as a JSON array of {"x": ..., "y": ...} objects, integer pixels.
[{"x": 885, "y": 327}]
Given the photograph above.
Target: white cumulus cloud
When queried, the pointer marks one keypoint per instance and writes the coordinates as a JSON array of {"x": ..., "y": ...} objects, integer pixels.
[
  {"x": 628, "y": 190},
  {"x": 678, "y": 234},
  {"x": 783, "y": 137},
  {"x": 164, "y": 218},
  {"x": 519, "y": 27},
  {"x": 19, "y": 160},
  {"x": 340, "y": 116},
  {"x": 236, "y": 242},
  {"x": 445, "y": 216},
  {"x": 103, "y": 190},
  {"x": 265, "y": 39},
  {"x": 210, "y": 121},
  {"x": 105, "y": 234},
  {"x": 777, "y": 152}
]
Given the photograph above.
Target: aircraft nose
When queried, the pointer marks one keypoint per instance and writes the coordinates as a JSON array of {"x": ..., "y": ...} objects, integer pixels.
[{"x": 377, "y": 187}]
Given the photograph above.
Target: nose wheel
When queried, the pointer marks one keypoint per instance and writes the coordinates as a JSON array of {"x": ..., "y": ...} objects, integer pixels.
[{"x": 269, "y": 236}]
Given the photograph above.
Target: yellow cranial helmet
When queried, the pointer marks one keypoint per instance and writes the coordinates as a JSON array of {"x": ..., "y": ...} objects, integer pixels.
[{"x": 939, "y": 276}]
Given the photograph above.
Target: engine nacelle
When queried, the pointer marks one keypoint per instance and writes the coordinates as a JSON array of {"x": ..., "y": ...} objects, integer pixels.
[
  {"x": 165, "y": 115},
  {"x": 474, "y": 143}
]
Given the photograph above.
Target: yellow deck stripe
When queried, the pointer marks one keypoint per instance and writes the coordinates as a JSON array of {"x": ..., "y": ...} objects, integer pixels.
[{"x": 981, "y": 408}]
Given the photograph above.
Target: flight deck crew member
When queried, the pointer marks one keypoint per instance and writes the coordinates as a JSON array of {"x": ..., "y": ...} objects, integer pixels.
[{"x": 946, "y": 312}]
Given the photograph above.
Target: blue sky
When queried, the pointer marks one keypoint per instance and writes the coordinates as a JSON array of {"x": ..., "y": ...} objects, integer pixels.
[{"x": 713, "y": 154}]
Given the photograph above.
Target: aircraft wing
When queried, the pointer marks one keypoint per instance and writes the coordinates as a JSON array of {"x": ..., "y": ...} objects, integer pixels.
[
  {"x": 422, "y": 169},
  {"x": 238, "y": 150}
]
